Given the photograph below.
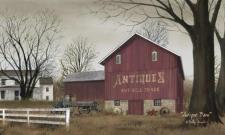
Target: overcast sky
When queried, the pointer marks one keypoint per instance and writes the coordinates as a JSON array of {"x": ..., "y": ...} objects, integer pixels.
[{"x": 105, "y": 36}]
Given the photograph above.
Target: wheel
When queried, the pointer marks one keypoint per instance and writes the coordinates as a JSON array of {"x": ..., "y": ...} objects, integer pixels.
[
  {"x": 117, "y": 110},
  {"x": 164, "y": 111},
  {"x": 84, "y": 110}
]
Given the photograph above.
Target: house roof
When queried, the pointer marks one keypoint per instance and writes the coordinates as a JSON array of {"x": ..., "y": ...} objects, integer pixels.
[
  {"x": 11, "y": 87},
  {"x": 46, "y": 80},
  {"x": 11, "y": 72},
  {"x": 102, "y": 62},
  {"x": 85, "y": 76}
]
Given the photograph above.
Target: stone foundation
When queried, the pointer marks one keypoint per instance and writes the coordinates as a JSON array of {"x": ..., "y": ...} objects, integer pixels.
[
  {"x": 169, "y": 103},
  {"x": 148, "y": 106},
  {"x": 109, "y": 106}
]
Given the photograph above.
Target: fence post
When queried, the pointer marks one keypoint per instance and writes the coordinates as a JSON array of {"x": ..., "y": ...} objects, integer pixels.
[
  {"x": 67, "y": 115},
  {"x": 3, "y": 116},
  {"x": 28, "y": 117}
]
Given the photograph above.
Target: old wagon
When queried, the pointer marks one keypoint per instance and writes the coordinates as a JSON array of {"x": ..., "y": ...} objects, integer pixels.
[{"x": 84, "y": 107}]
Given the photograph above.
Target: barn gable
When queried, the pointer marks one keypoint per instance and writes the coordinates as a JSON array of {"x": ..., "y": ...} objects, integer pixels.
[{"x": 135, "y": 37}]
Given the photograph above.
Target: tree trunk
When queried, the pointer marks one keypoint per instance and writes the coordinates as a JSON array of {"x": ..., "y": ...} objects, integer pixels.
[
  {"x": 220, "y": 90},
  {"x": 203, "y": 92},
  {"x": 24, "y": 93}
]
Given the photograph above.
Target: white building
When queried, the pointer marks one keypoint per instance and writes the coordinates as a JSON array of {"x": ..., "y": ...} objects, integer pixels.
[{"x": 10, "y": 90}]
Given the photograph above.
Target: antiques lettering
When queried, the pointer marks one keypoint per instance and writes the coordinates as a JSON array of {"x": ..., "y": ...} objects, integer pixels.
[{"x": 139, "y": 79}]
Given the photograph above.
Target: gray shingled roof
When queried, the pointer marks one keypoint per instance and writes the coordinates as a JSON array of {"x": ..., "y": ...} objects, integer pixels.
[
  {"x": 46, "y": 80},
  {"x": 11, "y": 72},
  {"x": 85, "y": 76}
]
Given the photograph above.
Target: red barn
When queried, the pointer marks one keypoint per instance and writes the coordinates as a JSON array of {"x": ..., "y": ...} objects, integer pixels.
[
  {"x": 85, "y": 86},
  {"x": 140, "y": 76}
]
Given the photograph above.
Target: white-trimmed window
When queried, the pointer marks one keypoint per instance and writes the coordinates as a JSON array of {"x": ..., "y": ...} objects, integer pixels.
[
  {"x": 157, "y": 102},
  {"x": 47, "y": 89},
  {"x": 3, "y": 94},
  {"x": 47, "y": 98},
  {"x": 3, "y": 82},
  {"x": 154, "y": 56},
  {"x": 16, "y": 83},
  {"x": 116, "y": 102},
  {"x": 17, "y": 94},
  {"x": 118, "y": 59}
]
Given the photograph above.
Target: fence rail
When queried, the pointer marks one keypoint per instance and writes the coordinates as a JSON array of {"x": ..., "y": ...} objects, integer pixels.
[{"x": 56, "y": 116}]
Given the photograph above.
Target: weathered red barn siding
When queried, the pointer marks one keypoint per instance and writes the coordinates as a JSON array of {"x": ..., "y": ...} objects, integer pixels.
[
  {"x": 86, "y": 90},
  {"x": 136, "y": 59},
  {"x": 136, "y": 107}
]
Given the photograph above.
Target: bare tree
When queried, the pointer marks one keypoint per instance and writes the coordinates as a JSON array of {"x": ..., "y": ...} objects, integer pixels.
[
  {"x": 220, "y": 89},
  {"x": 155, "y": 31},
  {"x": 27, "y": 47},
  {"x": 58, "y": 89},
  {"x": 198, "y": 19},
  {"x": 78, "y": 56}
]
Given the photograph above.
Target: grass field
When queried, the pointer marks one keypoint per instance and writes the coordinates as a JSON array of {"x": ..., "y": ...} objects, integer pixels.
[
  {"x": 106, "y": 124},
  {"x": 25, "y": 104},
  {"x": 114, "y": 125}
]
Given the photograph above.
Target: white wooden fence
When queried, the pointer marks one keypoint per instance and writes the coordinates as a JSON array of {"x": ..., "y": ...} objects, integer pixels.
[{"x": 56, "y": 116}]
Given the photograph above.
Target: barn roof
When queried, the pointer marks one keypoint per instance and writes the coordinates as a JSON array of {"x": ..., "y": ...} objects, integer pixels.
[
  {"x": 85, "y": 76},
  {"x": 102, "y": 62}
]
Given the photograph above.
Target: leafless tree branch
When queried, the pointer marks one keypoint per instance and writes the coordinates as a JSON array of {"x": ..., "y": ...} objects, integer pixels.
[
  {"x": 78, "y": 56},
  {"x": 155, "y": 31}
]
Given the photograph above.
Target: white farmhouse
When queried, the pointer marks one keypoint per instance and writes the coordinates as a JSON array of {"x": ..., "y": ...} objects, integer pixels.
[{"x": 10, "y": 90}]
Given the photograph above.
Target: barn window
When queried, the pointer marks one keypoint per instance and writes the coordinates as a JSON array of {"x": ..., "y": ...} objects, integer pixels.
[
  {"x": 157, "y": 102},
  {"x": 118, "y": 59},
  {"x": 47, "y": 98},
  {"x": 116, "y": 102},
  {"x": 154, "y": 56}
]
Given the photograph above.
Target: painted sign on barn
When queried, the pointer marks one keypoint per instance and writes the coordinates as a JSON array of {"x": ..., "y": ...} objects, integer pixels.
[
  {"x": 137, "y": 78},
  {"x": 134, "y": 79},
  {"x": 141, "y": 85}
]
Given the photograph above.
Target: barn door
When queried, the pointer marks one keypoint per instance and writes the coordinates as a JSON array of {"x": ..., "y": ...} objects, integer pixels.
[{"x": 136, "y": 107}]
